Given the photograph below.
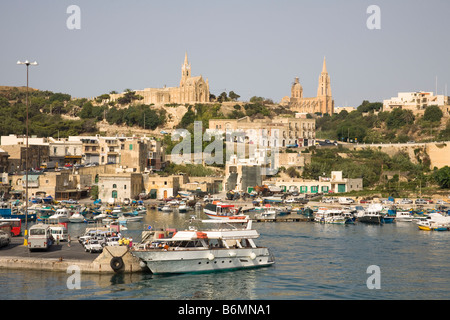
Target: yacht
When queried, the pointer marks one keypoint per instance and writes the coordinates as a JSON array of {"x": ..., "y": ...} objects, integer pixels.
[
  {"x": 371, "y": 215},
  {"x": 403, "y": 216},
  {"x": 76, "y": 218},
  {"x": 61, "y": 215},
  {"x": 331, "y": 216},
  {"x": 227, "y": 245}
]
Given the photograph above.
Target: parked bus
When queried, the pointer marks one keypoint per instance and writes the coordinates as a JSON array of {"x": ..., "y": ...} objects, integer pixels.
[
  {"x": 40, "y": 237},
  {"x": 59, "y": 232},
  {"x": 15, "y": 225}
]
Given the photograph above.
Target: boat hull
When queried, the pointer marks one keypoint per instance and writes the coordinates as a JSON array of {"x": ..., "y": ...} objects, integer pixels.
[
  {"x": 370, "y": 219},
  {"x": 191, "y": 261}
]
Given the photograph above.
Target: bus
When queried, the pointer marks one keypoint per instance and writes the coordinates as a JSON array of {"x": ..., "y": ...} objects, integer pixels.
[
  {"x": 15, "y": 225},
  {"x": 40, "y": 237}
]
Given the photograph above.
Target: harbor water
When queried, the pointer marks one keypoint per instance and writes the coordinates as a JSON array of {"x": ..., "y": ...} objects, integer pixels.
[{"x": 312, "y": 261}]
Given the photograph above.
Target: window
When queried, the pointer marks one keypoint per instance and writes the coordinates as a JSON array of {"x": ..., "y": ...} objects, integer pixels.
[
  {"x": 131, "y": 147},
  {"x": 114, "y": 194},
  {"x": 115, "y": 186}
]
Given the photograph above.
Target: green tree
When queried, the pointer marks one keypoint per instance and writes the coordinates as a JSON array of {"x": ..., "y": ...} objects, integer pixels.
[
  {"x": 442, "y": 177},
  {"x": 433, "y": 113},
  {"x": 233, "y": 96}
]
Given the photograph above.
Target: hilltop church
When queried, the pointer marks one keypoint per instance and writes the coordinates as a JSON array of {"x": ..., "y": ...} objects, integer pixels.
[
  {"x": 191, "y": 90},
  {"x": 322, "y": 103}
]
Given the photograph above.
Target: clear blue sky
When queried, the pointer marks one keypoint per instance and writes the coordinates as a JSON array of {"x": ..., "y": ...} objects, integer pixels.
[{"x": 253, "y": 47}]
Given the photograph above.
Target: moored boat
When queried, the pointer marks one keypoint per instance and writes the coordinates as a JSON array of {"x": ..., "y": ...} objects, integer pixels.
[
  {"x": 219, "y": 210},
  {"x": 371, "y": 215},
  {"x": 331, "y": 216},
  {"x": 229, "y": 246}
]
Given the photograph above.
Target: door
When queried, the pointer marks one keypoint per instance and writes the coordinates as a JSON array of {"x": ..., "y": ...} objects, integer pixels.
[
  {"x": 341, "y": 187},
  {"x": 165, "y": 194}
]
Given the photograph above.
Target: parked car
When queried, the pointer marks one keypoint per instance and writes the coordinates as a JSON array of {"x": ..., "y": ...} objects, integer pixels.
[
  {"x": 421, "y": 201},
  {"x": 93, "y": 245},
  {"x": 405, "y": 201},
  {"x": 5, "y": 238},
  {"x": 441, "y": 202},
  {"x": 329, "y": 200}
]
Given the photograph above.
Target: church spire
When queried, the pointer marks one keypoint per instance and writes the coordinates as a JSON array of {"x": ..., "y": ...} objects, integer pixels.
[
  {"x": 324, "y": 68},
  {"x": 186, "y": 62}
]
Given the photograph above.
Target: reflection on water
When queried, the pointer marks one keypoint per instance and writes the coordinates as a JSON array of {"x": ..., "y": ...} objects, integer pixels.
[{"x": 312, "y": 261}]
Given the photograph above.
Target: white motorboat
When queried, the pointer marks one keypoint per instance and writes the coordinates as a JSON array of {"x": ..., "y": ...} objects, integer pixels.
[
  {"x": 371, "y": 215},
  {"x": 219, "y": 210},
  {"x": 76, "y": 218},
  {"x": 124, "y": 218},
  {"x": 268, "y": 213},
  {"x": 167, "y": 208},
  {"x": 229, "y": 246},
  {"x": 60, "y": 215},
  {"x": 403, "y": 216},
  {"x": 183, "y": 207},
  {"x": 331, "y": 216},
  {"x": 141, "y": 210}
]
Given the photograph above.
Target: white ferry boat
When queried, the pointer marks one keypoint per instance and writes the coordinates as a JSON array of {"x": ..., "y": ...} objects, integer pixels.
[{"x": 228, "y": 246}]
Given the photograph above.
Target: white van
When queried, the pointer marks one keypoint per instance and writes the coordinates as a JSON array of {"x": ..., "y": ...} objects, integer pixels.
[
  {"x": 344, "y": 200},
  {"x": 40, "y": 237},
  {"x": 59, "y": 232}
]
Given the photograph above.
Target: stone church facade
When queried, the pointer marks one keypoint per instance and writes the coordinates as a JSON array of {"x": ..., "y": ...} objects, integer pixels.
[
  {"x": 322, "y": 103},
  {"x": 191, "y": 90}
]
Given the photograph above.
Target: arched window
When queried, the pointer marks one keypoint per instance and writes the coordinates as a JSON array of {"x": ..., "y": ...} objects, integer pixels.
[
  {"x": 114, "y": 194},
  {"x": 114, "y": 186}
]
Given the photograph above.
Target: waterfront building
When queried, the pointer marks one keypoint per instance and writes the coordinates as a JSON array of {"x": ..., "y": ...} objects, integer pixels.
[
  {"x": 334, "y": 184},
  {"x": 161, "y": 187},
  {"x": 322, "y": 103},
  {"x": 191, "y": 90},
  {"x": 115, "y": 188}
]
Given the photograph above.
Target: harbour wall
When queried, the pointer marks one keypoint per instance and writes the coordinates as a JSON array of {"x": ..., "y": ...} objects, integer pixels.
[{"x": 102, "y": 264}]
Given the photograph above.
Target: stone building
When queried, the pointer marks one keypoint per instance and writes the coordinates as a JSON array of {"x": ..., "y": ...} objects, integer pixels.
[
  {"x": 191, "y": 90},
  {"x": 115, "y": 188},
  {"x": 278, "y": 132},
  {"x": 322, "y": 103}
]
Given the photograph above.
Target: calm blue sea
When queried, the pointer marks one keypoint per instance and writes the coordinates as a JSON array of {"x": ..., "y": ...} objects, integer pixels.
[{"x": 313, "y": 261}]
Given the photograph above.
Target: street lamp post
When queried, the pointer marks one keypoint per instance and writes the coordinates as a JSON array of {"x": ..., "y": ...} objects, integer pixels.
[{"x": 25, "y": 241}]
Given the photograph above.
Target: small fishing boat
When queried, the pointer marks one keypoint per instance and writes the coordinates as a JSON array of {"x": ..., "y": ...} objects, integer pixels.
[
  {"x": 219, "y": 210},
  {"x": 166, "y": 208},
  {"x": 428, "y": 225},
  {"x": 269, "y": 213},
  {"x": 183, "y": 207}
]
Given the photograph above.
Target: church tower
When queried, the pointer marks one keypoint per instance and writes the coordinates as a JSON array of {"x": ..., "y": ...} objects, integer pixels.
[
  {"x": 297, "y": 89},
  {"x": 324, "y": 89},
  {"x": 326, "y": 103},
  {"x": 185, "y": 71}
]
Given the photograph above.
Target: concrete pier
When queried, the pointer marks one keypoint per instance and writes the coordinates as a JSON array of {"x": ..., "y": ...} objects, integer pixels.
[{"x": 61, "y": 256}]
